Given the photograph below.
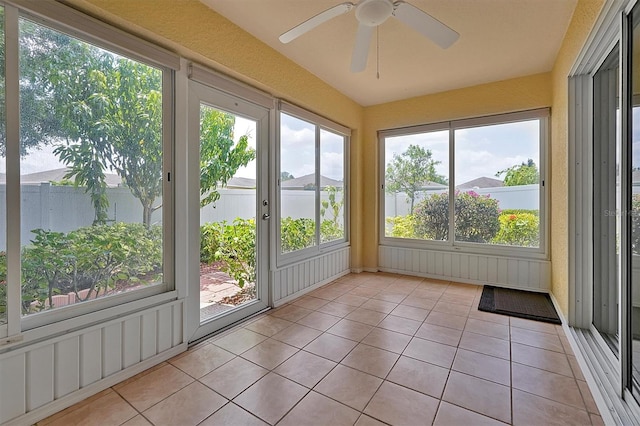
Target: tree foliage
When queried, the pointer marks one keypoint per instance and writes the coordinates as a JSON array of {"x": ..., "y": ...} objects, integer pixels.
[
  {"x": 38, "y": 125},
  {"x": 286, "y": 176},
  {"x": 220, "y": 156},
  {"x": 113, "y": 122},
  {"x": 104, "y": 113},
  {"x": 330, "y": 229},
  {"x": 108, "y": 111},
  {"x": 523, "y": 174},
  {"x": 410, "y": 171}
]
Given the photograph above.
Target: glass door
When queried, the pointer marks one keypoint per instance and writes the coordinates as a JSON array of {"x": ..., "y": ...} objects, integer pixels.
[
  {"x": 607, "y": 198},
  {"x": 632, "y": 372},
  {"x": 233, "y": 208}
]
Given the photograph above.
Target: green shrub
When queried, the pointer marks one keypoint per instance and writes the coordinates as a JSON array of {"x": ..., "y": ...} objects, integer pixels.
[
  {"x": 236, "y": 249},
  {"x": 521, "y": 229},
  {"x": 635, "y": 223},
  {"x": 210, "y": 237},
  {"x": 330, "y": 231},
  {"x": 92, "y": 258},
  {"x": 476, "y": 217},
  {"x": 296, "y": 234},
  {"x": 401, "y": 226},
  {"x": 234, "y": 244},
  {"x": 518, "y": 211},
  {"x": 431, "y": 218},
  {"x": 3, "y": 286}
]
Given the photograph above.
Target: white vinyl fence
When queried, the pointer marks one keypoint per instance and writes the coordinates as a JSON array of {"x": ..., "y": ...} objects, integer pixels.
[
  {"x": 526, "y": 197},
  {"x": 65, "y": 208}
]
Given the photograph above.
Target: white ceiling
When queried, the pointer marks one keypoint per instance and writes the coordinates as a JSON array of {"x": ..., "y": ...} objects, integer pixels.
[{"x": 499, "y": 39}]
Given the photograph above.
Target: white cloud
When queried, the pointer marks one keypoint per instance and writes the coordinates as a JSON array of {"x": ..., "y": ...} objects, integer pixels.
[
  {"x": 297, "y": 150},
  {"x": 332, "y": 165}
]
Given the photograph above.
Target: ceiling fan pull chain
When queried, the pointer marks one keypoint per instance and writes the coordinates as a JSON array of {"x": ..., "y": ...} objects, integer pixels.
[{"x": 378, "y": 52}]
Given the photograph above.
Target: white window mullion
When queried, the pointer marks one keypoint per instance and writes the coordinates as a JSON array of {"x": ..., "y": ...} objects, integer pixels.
[
  {"x": 452, "y": 186},
  {"x": 12, "y": 102},
  {"x": 317, "y": 189}
]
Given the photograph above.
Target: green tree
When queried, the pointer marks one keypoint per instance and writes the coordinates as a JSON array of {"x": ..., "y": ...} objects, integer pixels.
[
  {"x": 109, "y": 112},
  {"x": 38, "y": 126},
  {"x": 410, "y": 171},
  {"x": 220, "y": 156},
  {"x": 286, "y": 176},
  {"x": 108, "y": 117},
  {"x": 113, "y": 122},
  {"x": 523, "y": 174}
]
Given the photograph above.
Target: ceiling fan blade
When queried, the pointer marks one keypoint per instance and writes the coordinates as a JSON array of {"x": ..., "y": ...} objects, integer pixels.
[
  {"x": 425, "y": 24},
  {"x": 313, "y": 22},
  {"x": 361, "y": 48}
]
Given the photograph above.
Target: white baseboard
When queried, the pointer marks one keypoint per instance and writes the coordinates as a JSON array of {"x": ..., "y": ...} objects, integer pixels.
[
  {"x": 309, "y": 289},
  {"x": 81, "y": 394},
  {"x": 458, "y": 280}
]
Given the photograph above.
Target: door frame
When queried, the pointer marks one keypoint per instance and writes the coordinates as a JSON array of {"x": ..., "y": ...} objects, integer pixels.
[{"x": 199, "y": 93}]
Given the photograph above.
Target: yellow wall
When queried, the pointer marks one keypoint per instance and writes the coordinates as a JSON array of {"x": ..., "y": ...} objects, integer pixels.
[
  {"x": 517, "y": 94},
  {"x": 584, "y": 17}
]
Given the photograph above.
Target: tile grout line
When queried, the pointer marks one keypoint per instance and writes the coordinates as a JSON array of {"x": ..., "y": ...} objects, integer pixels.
[
  {"x": 355, "y": 285},
  {"x": 510, "y": 370}
]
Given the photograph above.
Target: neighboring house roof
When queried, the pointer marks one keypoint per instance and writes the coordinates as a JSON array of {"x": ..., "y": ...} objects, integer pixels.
[
  {"x": 635, "y": 177},
  {"x": 241, "y": 183},
  {"x": 57, "y": 175},
  {"x": 481, "y": 182},
  {"x": 433, "y": 185},
  {"x": 310, "y": 180}
]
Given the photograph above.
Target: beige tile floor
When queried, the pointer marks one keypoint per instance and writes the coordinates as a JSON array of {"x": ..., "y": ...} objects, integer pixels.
[{"x": 367, "y": 349}]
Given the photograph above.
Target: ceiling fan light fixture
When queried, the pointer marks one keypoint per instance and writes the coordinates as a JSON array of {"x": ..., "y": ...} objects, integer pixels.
[
  {"x": 373, "y": 12},
  {"x": 370, "y": 14}
]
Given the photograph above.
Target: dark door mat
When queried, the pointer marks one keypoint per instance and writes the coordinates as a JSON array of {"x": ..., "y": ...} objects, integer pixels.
[{"x": 518, "y": 303}]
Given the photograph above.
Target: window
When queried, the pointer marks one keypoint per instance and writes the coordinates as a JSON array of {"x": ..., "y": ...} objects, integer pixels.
[
  {"x": 497, "y": 184},
  {"x": 90, "y": 172},
  {"x": 417, "y": 178},
  {"x": 297, "y": 184},
  {"x": 332, "y": 212},
  {"x": 312, "y": 183},
  {"x": 469, "y": 183},
  {"x": 607, "y": 199},
  {"x": 94, "y": 124},
  {"x": 3, "y": 192}
]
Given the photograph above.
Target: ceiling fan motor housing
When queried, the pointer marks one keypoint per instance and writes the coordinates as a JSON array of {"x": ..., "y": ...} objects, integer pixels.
[{"x": 373, "y": 12}]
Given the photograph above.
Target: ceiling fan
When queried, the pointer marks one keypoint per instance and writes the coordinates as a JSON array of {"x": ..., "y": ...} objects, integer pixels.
[{"x": 370, "y": 14}]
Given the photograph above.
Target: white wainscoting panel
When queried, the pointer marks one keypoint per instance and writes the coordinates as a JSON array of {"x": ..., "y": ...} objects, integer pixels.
[
  {"x": 526, "y": 274},
  {"x": 41, "y": 373},
  {"x": 299, "y": 278}
]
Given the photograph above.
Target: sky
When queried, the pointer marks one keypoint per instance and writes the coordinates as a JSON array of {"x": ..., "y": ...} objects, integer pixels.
[
  {"x": 43, "y": 159},
  {"x": 479, "y": 151},
  {"x": 297, "y": 151}
]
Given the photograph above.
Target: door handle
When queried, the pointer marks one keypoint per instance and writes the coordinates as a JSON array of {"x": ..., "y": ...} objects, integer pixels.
[{"x": 266, "y": 216}]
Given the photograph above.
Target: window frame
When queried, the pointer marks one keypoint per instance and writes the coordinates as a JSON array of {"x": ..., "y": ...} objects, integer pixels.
[
  {"x": 320, "y": 123},
  {"x": 450, "y": 245},
  {"x": 75, "y": 24}
]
